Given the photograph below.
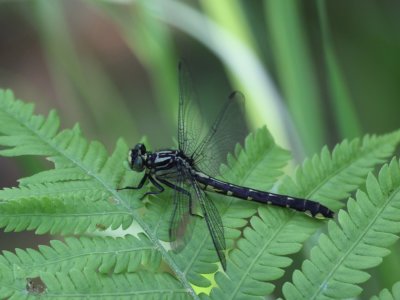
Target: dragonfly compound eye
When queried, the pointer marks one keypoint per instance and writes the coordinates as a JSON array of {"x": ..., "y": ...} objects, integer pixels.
[
  {"x": 140, "y": 148},
  {"x": 137, "y": 157},
  {"x": 138, "y": 164}
]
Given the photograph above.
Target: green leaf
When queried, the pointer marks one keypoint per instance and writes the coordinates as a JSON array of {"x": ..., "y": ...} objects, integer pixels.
[
  {"x": 385, "y": 294},
  {"x": 75, "y": 157},
  {"x": 346, "y": 167},
  {"x": 359, "y": 240},
  {"x": 100, "y": 254},
  {"x": 66, "y": 215},
  {"x": 275, "y": 233},
  {"x": 88, "y": 284},
  {"x": 79, "y": 197}
]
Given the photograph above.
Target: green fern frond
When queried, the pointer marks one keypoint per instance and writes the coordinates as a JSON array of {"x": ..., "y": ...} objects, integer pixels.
[
  {"x": 79, "y": 196},
  {"x": 158, "y": 214},
  {"x": 88, "y": 284},
  {"x": 78, "y": 189},
  {"x": 248, "y": 164},
  {"x": 100, "y": 254},
  {"x": 357, "y": 242},
  {"x": 385, "y": 294},
  {"x": 347, "y": 166},
  {"x": 54, "y": 175},
  {"x": 24, "y": 133},
  {"x": 62, "y": 216},
  {"x": 27, "y": 134},
  {"x": 261, "y": 256}
]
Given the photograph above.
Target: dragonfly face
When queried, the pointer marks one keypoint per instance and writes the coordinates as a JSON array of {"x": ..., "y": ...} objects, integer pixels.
[{"x": 137, "y": 158}]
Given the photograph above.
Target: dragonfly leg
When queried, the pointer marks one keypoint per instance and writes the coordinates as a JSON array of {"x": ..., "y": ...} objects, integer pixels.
[
  {"x": 180, "y": 190},
  {"x": 157, "y": 185},
  {"x": 140, "y": 185}
]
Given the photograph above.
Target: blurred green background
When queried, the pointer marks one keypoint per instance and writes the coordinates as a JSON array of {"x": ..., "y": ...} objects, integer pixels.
[{"x": 315, "y": 72}]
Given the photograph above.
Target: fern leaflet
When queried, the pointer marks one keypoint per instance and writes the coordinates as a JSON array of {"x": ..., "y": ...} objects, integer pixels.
[
  {"x": 275, "y": 233},
  {"x": 27, "y": 134},
  {"x": 357, "y": 242},
  {"x": 88, "y": 284},
  {"x": 79, "y": 197},
  {"x": 385, "y": 294},
  {"x": 102, "y": 254}
]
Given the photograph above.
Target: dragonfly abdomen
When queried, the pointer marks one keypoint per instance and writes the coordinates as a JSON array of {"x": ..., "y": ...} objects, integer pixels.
[{"x": 311, "y": 208}]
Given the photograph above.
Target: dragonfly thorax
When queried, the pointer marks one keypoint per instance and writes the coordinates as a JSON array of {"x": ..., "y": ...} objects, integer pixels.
[
  {"x": 166, "y": 159},
  {"x": 159, "y": 161}
]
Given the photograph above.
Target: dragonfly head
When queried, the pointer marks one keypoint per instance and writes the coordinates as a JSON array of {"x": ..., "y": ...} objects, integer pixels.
[{"x": 137, "y": 158}]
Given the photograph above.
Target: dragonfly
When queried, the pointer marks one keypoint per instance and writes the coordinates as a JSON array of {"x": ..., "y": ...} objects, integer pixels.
[{"x": 191, "y": 170}]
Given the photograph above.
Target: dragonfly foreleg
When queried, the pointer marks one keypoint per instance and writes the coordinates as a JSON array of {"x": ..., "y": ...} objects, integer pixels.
[
  {"x": 180, "y": 190},
  {"x": 140, "y": 185},
  {"x": 157, "y": 185}
]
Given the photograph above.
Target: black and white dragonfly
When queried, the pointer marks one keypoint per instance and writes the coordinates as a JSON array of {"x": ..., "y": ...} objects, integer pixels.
[{"x": 191, "y": 169}]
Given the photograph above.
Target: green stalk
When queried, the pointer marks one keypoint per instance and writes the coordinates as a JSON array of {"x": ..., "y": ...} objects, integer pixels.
[
  {"x": 229, "y": 14},
  {"x": 344, "y": 113},
  {"x": 295, "y": 71}
]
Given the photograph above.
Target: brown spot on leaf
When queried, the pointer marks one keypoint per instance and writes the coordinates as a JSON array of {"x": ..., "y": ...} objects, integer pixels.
[{"x": 35, "y": 285}]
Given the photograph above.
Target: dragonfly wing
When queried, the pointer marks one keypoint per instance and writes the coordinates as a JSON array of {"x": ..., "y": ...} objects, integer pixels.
[
  {"x": 181, "y": 222},
  {"x": 214, "y": 224},
  {"x": 190, "y": 123},
  {"x": 228, "y": 129},
  {"x": 178, "y": 223},
  {"x": 209, "y": 147}
]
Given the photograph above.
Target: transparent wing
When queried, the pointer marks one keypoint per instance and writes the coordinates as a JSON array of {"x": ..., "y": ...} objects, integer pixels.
[
  {"x": 209, "y": 147},
  {"x": 228, "y": 129},
  {"x": 181, "y": 222},
  {"x": 208, "y": 152},
  {"x": 189, "y": 117},
  {"x": 214, "y": 224}
]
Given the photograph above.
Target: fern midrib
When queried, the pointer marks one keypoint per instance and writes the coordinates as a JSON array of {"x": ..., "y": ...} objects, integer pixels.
[
  {"x": 356, "y": 242},
  {"x": 181, "y": 276},
  {"x": 64, "y": 215},
  {"x": 48, "y": 192}
]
